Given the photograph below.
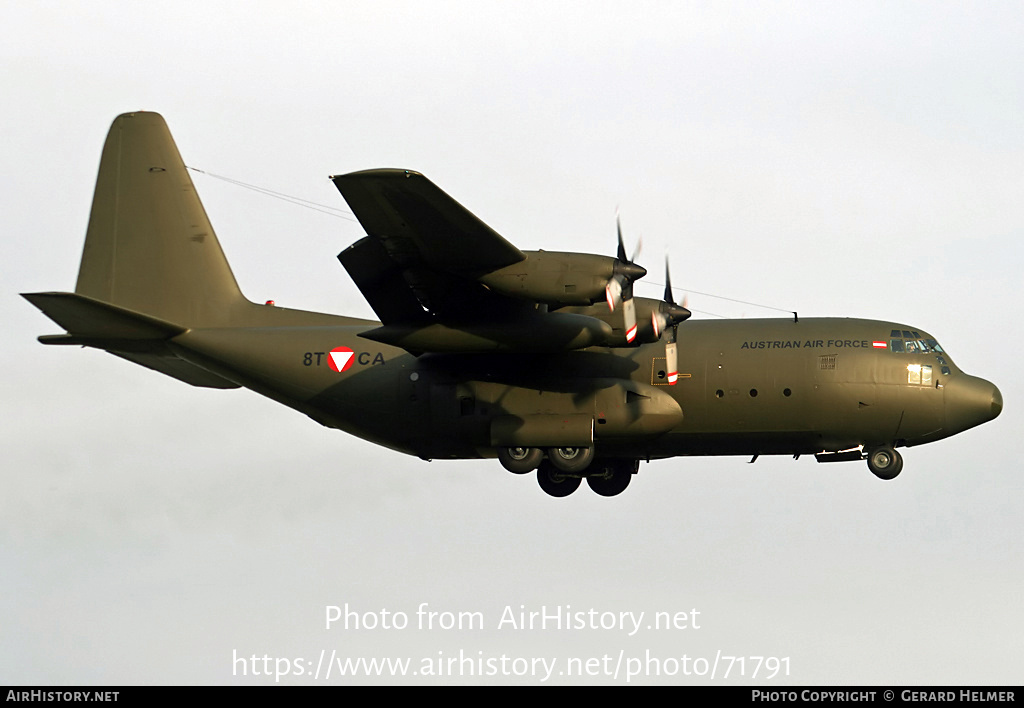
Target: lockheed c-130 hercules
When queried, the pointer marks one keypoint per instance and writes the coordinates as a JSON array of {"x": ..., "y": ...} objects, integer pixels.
[{"x": 542, "y": 359}]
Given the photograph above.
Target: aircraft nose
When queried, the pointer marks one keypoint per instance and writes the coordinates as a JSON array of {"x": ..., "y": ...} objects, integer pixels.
[{"x": 971, "y": 401}]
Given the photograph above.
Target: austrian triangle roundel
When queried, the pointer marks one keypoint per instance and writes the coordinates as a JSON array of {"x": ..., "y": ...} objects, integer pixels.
[{"x": 340, "y": 359}]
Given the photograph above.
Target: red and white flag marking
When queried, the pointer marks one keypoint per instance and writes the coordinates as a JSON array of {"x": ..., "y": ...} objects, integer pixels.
[{"x": 340, "y": 359}]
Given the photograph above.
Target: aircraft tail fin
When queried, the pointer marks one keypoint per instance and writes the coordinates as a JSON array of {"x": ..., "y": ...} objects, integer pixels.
[
  {"x": 152, "y": 268},
  {"x": 150, "y": 247}
]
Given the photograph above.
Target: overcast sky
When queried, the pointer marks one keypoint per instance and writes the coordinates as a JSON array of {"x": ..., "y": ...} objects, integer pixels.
[{"x": 864, "y": 160}]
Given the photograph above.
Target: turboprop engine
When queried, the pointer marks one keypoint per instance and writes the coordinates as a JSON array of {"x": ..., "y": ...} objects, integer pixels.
[{"x": 558, "y": 278}]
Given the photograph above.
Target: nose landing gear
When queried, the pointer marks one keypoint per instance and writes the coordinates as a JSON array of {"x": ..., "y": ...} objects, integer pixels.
[{"x": 884, "y": 462}]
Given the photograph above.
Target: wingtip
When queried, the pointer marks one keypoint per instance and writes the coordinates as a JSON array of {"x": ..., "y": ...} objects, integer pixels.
[{"x": 378, "y": 173}]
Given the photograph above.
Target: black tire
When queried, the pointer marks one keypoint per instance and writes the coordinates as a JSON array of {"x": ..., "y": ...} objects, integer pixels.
[
  {"x": 571, "y": 459},
  {"x": 520, "y": 460},
  {"x": 884, "y": 462},
  {"x": 613, "y": 478},
  {"x": 556, "y": 483}
]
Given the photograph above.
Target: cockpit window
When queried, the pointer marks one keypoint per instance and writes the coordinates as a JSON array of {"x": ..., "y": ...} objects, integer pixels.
[{"x": 913, "y": 343}]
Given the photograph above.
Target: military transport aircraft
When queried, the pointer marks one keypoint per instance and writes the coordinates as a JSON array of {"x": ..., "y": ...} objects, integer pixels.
[{"x": 544, "y": 360}]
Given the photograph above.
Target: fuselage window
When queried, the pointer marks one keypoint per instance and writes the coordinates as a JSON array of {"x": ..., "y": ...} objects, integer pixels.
[
  {"x": 897, "y": 345},
  {"x": 919, "y": 374},
  {"x": 913, "y": 373}
]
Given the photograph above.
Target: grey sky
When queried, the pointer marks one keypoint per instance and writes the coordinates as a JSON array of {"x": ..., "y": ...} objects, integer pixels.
[{"x": 863, "y": 160}]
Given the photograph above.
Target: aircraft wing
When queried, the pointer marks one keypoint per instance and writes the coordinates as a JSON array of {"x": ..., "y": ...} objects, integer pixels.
[
  {"x": 419, "y": 269},
  {"x": 423, "y": 252},
  {"x": 414, "y": 219}
]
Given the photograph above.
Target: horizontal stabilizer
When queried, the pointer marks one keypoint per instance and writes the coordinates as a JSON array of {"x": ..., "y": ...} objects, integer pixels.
[
  {"x": 138, "y": 338},
  {"x": 90, "y": 318}
]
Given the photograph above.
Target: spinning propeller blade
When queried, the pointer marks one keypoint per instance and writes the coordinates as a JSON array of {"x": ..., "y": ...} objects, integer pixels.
[
  {"x": 670, "y": 314},
  {"x": 620, "y": 287}
]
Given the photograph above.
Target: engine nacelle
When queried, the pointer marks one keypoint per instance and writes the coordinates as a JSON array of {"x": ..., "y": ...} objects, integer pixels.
[
  {"x": 540, "y": 332},
  {"x": 558, "y": 278},
  {"x": 645, "y": 331}
]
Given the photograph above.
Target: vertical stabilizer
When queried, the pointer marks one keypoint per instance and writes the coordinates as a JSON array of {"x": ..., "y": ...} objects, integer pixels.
[{"x": 150, "y": 246}]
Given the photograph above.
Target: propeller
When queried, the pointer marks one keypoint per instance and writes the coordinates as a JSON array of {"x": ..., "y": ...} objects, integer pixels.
[
  {"x": 620, "y": 287},
  {"x": 669, "y": 315}
]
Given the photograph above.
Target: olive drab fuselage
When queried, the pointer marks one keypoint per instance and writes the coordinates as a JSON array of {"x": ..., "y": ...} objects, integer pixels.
[
  {"x": 543, "y": 359},
  {"x": 746, "y": 387}
]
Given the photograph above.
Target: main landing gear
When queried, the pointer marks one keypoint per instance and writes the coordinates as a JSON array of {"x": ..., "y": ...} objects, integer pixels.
[
  {"x": 611, "y": 477},
  {"x": 520, "y": 460},
  {"x": 555, "y": 482},
  {"x": 572, "y": 460},
  {"x": 560, "y": 470},
  {"x": 884, "y": 462}
]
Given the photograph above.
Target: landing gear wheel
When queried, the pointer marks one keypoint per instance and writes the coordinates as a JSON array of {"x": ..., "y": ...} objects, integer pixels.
[
  {"x": 520, "y": 460},
  {"x": 555, "y": 482},
  {"x": 613, "y": 477},
  {"x": 884, "y": 462},
  {"x": 571, "y": 459}
]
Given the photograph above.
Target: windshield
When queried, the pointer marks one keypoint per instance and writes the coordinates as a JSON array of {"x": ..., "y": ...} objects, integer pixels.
[{"x": 910, "y": 342}]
